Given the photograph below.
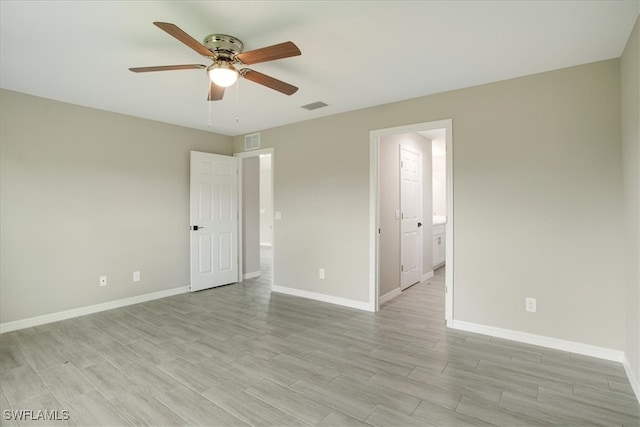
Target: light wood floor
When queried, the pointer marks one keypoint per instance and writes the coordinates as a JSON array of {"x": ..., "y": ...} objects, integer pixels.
[{"x": 240, "y": 355}]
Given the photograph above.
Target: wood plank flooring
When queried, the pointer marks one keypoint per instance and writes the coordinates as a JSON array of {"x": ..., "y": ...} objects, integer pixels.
[{"x": 240, "y": 355}]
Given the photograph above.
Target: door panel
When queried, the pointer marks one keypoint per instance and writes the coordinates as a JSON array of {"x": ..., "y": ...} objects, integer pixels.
[
  {"x": 225, "y": 248},
  {"x": 205, "y": 246},
  {"x": 214, "y": 210}
]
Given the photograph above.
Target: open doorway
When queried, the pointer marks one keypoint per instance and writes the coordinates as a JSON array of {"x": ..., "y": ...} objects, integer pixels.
[
  {"x": 266, "y": 219},
  {"x": 256, "y": 211},
  {"x": 404, "y": 199},
  {"x": 436, "y": 233}
]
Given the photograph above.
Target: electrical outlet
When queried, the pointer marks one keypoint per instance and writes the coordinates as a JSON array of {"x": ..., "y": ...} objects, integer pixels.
[
  {"x": 530, "y": 304},
  {"x": 136, "y": 276},
  {"x": 103, "y": 280},
  {"x": 321, "y": 273}
]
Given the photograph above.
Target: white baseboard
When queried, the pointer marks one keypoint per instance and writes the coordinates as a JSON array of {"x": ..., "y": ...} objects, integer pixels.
[
  {"x": 427, "y": 276},
  {"x": 322, "y": 297},
  {"x": 633, "y": 380},
  {"x": 82, "y": 311},
  {"x": 555, "y": 343},
  {"x": 251, "y": 275},
  {"x": 389, "y": 296}
]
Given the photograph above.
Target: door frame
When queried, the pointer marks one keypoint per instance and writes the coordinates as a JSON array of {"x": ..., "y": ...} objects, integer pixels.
[
  {"x": 374, "y": 208},
  {"x": 241, "y": 156}
]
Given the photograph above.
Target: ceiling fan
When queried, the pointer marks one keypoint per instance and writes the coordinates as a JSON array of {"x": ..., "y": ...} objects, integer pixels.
[{"x": 228, "y": 61}]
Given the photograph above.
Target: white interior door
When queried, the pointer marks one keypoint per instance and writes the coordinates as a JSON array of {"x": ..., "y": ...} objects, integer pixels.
[
  {"x": 214, "y": 220},
  {"x": 411, "y": 214}
]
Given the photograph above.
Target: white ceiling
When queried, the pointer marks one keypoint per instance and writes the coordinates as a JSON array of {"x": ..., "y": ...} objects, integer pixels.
[{"x": 355, "y": 54}]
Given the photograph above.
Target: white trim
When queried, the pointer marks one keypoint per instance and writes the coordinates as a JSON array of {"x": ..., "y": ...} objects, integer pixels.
[
  {"x": 448, "y": 237},
  {"x": 635, "y": 385},
  {"x": 389, "y": 296},
  {"x": 90, "y": 309},
  {"x": 254, "y": 153},
  {"x": 427, "y": 276},
  {"x": 265, "y": 244},
  {"x": 322, "y": 297},
  {"x": 374, "y": 208},
  {"x": 251, "y": 275},
  {"x": 374, "y": 215},
  {"x": 542, "y": 341}
]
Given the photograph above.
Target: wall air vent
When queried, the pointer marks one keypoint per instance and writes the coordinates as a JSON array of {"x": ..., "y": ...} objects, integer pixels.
[
  {"x": 314, "y": 105},
  {"x": 252, "y": 142}
]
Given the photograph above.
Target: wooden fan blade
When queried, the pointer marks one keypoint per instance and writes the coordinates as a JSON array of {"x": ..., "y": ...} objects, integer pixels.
[
  {"x": 185, "y": 38},
  {"x": 269, "y": 53},
  {"x": 215, "y": 92},
  {"x": 268, "y": 81},
  {"x": 167, "y": 68}
]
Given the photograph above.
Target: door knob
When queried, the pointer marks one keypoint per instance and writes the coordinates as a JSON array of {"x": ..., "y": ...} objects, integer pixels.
[
  {"x": 419, "y": 224},
  {"x": 196, "y": 227}
]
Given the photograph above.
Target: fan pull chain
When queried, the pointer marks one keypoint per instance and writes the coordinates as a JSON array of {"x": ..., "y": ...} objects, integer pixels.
[
  {"x": 237, "y": 99},
  {"x": 209, "y": 102}
]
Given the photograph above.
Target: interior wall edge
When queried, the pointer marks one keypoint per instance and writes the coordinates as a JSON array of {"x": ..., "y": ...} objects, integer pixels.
[{"x": 635, "y": 385}]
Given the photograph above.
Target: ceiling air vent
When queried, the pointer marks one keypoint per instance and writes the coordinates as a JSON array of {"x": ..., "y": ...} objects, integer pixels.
[
  {"x": 252, "y": 142},
  {"x": 314, "y": 105}
]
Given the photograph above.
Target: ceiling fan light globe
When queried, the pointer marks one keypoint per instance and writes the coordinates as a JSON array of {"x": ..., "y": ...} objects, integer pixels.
[{"x": 223, "y": 77}]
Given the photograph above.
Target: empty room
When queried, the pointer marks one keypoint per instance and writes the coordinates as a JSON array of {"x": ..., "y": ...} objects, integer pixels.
[{"x": 316, "y": 213}]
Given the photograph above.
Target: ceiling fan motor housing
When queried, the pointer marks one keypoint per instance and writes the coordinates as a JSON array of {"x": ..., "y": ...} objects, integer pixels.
[{"x": 223, "y": 45}]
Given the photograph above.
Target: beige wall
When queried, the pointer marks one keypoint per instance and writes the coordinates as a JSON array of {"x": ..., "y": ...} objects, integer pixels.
[
  {"x": 86, "y": 193},
  {"x": 630, "y": 76},
  {"x": 321, "y": 189},
  {"x": 538, "y": 196},
  {"x": 389, "y": 263},
  {"x": 251, "y": 215}
]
